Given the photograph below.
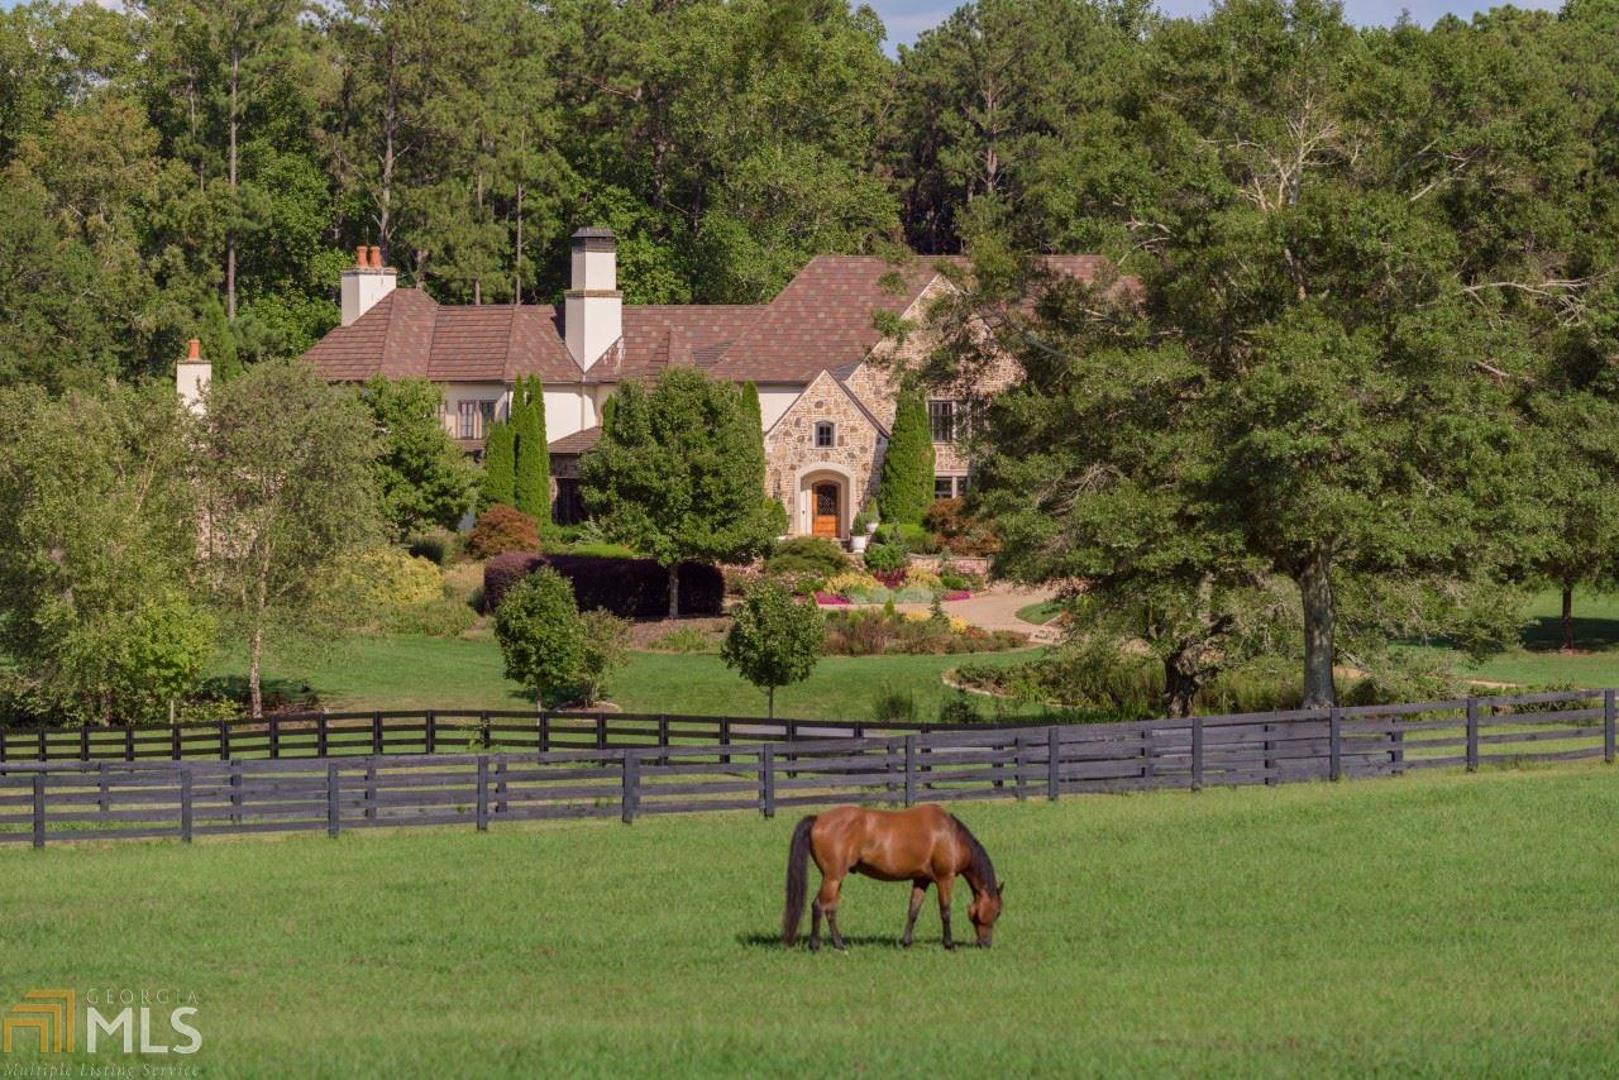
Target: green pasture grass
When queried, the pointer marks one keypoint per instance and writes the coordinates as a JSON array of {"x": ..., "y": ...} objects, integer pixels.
[
  {"x": 1538, "y": 660},
  {"x": 1425, "y": 925},
  {"x": 404, "y": 672}
]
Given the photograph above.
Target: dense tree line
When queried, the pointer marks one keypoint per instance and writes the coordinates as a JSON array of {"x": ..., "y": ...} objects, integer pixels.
[{"x": 184, "y": 167}]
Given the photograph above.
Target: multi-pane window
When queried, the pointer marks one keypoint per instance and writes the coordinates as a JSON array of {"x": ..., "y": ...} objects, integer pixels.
[
  {"x": 473, "y": 418},
  {"x": 825, "y": 435},
  {"x": 949, "y": 487},
  {"x": 945, "y": 419}
]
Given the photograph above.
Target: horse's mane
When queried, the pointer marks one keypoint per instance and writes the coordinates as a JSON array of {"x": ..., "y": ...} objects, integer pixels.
[{"x": 982, "y": 868}]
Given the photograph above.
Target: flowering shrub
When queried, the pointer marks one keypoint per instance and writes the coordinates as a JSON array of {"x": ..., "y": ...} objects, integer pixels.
[
  {"x": 873, "y": 632},
  {"x": 831, "y": 599}
]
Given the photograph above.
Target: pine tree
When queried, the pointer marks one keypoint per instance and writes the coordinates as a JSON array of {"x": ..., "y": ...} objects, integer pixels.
[
  {"x": 533, "y": 468},
  {"x": 499, "y": 466},
  {"x": 907, "y": 480}
]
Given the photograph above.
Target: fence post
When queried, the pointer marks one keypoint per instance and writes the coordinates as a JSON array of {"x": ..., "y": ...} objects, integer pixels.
[
  {"x": 1019, "y": 764},
  {"x": 601, "y": 731},
  {"x": 767, "y": 780},
  {"x": 1608, "y": 712},
  {"x": 129, "y": 742},
  {"x": 1335, "y": 744},
  {"x": 320, "y": 734},
  {"x": 2, "y": 746},
  {"x": 224, "y": 741},
  {"x": 376, "y": 734},
  {"x": 1472, "y": 734},
  {"x": 275, "y": 738},
  {"x": 185, "y": 803},
  {"x": 483, "y": 793},
  {"x": 84, "y": 742},
  {"x": 44, "y": 746},
  {"x": 1197, "y": 753},
  {"x": 432, "y": 732},
  {"x": 332, "y": 823},
  {"x": 910, "y": 770},
  {"x": 1270, "y": 761},
  {"x": 103, "y": 796},
  {"x": 632, "y": 782},
  {"x": 500, "y": 783},
  {"x": 371, "y": 789},
  {"x": 545, "y": 733},
  {"x": 236, "y": 792},
  {"x": 725, "y": 738},
  {"x": 39, "y": 809},
  {"x": 174, "y": 741},
  {"x": 1053, "y": 763}
]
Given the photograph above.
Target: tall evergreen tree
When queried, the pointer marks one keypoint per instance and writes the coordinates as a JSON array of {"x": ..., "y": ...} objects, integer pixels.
[
  {"x": 906, "y": 490},
  {"x": 533, "y": 468},
  {"x": 499, "y": 486}
]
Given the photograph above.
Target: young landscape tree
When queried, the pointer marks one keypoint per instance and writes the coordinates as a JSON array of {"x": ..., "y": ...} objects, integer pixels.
[
  {"x": 676, "y": 474},
  {"x": 97, "y": 545},
  {"x": 499, "y": 486},
  {"x": 423, "y": 478},
  {"x": 288, "y": 471},
  {"x": 542, "y": 638},
  {"x": 774, "y": 641}
]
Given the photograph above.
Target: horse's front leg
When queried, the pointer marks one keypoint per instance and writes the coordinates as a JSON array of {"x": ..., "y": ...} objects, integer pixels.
[
  {"x": 919, "y": 889},
  {"x": 944, "y": 884}
]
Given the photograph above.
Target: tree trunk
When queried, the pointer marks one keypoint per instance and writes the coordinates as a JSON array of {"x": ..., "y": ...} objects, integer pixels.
[
  {"x": 1315, "y": 588},
  {"x": 230, "y": 234},
  {"x": 674, "y": 591},
  {"x": 255, "y": 657},
  {"x": 1180, "y": 686},
  {"x": 1568, "y": 616}
]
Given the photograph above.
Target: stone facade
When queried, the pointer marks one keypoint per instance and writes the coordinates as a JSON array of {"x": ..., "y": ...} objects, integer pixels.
[{"x": 794, "y": 463}]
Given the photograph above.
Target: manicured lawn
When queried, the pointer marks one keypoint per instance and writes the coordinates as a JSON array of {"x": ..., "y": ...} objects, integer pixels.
[
  {"x": 1428, "y": 925},
  {"x": 1041, "y": 613},
  {"x": 1539, "y": 661},
  {"x": 397, "y": 672}
]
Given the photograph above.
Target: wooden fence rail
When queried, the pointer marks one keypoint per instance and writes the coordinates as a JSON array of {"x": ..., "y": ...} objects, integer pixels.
[{"x": 107, "y": 799}]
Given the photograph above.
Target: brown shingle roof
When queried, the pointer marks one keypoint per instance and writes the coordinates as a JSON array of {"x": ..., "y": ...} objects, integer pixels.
[
  {"x": 578, "y": 442},
  {"x": 822, "y": 320}
]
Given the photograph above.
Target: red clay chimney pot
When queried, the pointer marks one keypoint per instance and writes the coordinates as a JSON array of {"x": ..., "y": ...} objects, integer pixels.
[
  {"x": 376, "y": 257},
  {"x": 194, "y": 349}
]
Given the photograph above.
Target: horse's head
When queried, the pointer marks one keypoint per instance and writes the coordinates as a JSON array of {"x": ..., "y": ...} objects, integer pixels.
[{"x": 984, "y": 910}]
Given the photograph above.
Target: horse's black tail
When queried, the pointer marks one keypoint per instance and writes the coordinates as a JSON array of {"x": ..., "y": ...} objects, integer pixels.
[{"x": 797, "y": 869}]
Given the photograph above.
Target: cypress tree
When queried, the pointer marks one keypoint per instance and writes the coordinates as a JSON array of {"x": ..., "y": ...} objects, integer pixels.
[
  {"x": 533, "y": 466},
  {"x": 499, "y": 466},
  {"x": 907, "y": 479},
  {"x": 750, "y": 402}
]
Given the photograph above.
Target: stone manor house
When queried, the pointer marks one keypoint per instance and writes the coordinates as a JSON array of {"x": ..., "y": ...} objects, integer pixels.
[{"x": 814, "y": 353}]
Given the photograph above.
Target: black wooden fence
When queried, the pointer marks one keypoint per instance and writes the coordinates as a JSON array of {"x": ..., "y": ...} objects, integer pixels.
[
  {"x": 106, "y": 799},
  {"x": 419, "y": 732}
]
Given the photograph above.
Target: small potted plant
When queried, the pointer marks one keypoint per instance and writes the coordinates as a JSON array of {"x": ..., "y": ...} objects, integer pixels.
[
  {"x": 860, "y": 534},
  {"x": 869, "y": 514}
]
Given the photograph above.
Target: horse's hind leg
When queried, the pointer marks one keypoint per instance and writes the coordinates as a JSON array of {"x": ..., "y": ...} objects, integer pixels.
[
  {"x": 815, "y": 918},
  {"x": 919, "y": 890},
  {"x": 827, "y": 901},
  {"x": 944, "y": 884}
]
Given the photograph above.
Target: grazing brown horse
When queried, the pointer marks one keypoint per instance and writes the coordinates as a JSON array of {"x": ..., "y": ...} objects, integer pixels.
[{"x": 920, "y": 845}]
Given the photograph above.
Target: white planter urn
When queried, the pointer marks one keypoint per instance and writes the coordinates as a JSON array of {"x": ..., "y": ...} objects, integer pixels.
[
  {"x": 857, "y": 542},
  {"x": 871, "y": 526}
]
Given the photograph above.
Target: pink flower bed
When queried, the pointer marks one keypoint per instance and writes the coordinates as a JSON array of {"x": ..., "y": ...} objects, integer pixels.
[
  {"x": 831, "y": 599},
  {"x": 957, "y": 594}
]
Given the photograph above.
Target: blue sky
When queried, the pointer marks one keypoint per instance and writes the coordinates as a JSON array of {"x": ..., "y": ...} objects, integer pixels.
[{"x": 907, "y": 18}]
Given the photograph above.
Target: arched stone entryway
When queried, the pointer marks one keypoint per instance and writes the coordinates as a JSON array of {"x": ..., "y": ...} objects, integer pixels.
[{"x": 824, "y": 494}]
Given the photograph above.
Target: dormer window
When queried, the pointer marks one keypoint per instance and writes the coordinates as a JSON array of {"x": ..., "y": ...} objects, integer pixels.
[{"x": 826, "y": 435}]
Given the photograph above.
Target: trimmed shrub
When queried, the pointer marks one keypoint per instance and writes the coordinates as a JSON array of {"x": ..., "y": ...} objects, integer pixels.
[
  {"x": 806, "y": 555},
  {"x": 883, "y": 558},
  {"x": 892, "y": 706},
  {"x": 959, "y": 710},
  {"x": 629, "y": 588},
  {"x": 436, "y": 546},
  {"x": 541, "y": 636},
  {"x": 532, "y": 472},
  {"x": 499, "y": 487},
  {"x": 500, "y": 529}
]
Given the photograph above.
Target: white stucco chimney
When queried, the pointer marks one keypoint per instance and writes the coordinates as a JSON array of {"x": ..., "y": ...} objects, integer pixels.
[
  {"x": 192, "y": 376},
  {"x": 366, "y": 282},
  {"x": 593, "y": 311}
]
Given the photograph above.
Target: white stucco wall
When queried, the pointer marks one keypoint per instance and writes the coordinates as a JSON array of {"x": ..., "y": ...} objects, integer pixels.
[
  {"x": 568, "y": 409},
  {"x": 455, "y": 393},
  {"x": 775, "y": 399}
]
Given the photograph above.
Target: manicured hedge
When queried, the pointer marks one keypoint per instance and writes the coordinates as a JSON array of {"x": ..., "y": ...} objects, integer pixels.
[{"x": 632, "y": 588}]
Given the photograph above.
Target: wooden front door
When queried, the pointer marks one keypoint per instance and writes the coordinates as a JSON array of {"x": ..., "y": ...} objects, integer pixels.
[{"x": 824, "y": 510}]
